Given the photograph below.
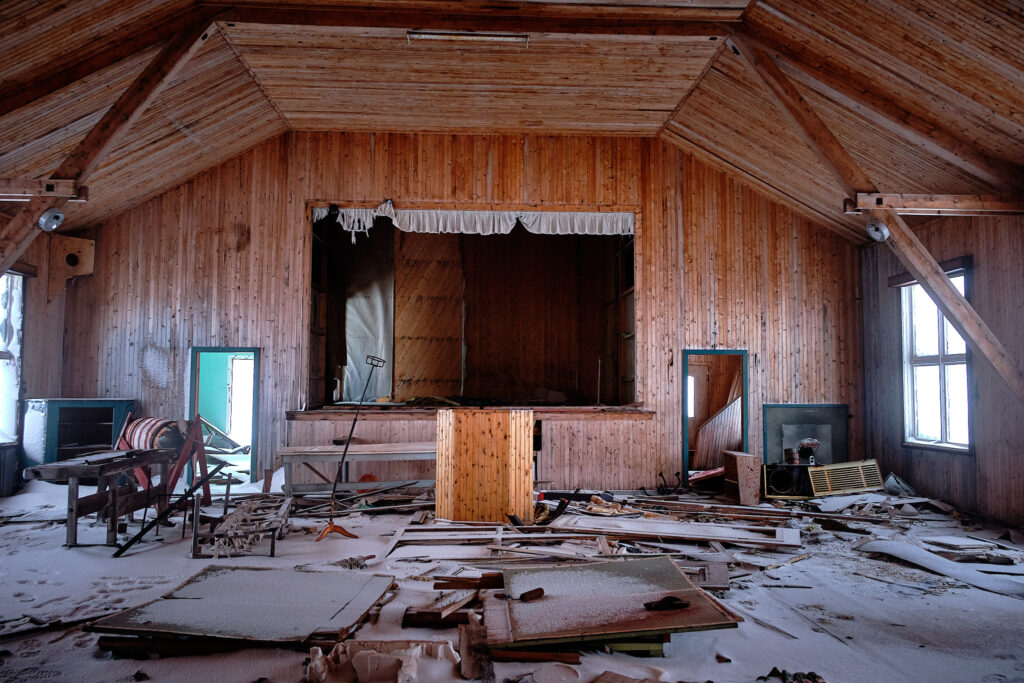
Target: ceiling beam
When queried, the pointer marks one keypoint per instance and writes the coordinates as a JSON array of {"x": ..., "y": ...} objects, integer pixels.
[
  {"x": 123, "y": 43},
  {"x": 19, "y": 189},
  {"x": 936, "y": 204},
  {"x": 19, "y": 232},
  {"x": 806, "y": 121},
  {"x": 517, "y": 18},
  {"x": 948, "y": 298},
  {"x": 901, "y": 239}
]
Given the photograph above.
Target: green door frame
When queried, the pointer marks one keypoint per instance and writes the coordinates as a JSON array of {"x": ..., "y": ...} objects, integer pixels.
[
  {"x": 686, "y": 373},
  {"x": 193, "y": 392}
]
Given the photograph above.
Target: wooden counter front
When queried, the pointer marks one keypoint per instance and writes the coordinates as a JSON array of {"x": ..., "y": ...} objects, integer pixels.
[{"x": 484, "y": 464}]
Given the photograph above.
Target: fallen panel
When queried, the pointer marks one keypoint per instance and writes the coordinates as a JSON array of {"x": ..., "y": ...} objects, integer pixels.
[
  {"x": 256, "y": 604},
  {"x": 940, "y": 565},
  {"x": 598, "y": 602},
  {"x": 691, "y": 531}
]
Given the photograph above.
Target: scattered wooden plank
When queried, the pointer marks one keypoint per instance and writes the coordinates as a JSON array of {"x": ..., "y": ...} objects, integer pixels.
[
  {"x": 940, "y": 565},
  {"x": 772, "y": 537}
]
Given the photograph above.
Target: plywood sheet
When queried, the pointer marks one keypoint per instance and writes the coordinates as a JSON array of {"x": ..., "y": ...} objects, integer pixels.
[
  {"x": 258, "y": 604},
  {"x": 597, "y": 601}
]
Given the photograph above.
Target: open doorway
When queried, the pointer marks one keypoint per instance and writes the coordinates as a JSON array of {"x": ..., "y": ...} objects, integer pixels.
[
  {"x": 224, "y": 393},
  {"x": 715, "y": 402}
]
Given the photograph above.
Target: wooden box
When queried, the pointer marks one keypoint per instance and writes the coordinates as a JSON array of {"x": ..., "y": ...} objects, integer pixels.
[
  {"x": 743, "y": 477},
  {"x": 484, "y": 465}
]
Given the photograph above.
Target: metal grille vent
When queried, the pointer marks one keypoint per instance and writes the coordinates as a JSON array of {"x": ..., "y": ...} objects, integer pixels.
[{"x": 846, "y": 477}]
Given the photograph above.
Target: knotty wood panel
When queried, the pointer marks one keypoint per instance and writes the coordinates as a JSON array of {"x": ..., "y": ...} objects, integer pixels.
[
  {"x": 991, "y": 481},
  {"x": 428, "y": 315},
  {"x": 224, "y": 260},
  {"x": 484, "y": 465}
]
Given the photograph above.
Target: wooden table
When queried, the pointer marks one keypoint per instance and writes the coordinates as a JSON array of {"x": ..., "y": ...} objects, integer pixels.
[
  {"x": 357, "y": 452},
  {"x": 107, "y": 468}
]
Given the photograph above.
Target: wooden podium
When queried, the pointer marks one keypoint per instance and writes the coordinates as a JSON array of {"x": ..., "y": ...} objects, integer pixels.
[{"x": 484, "y": 465}]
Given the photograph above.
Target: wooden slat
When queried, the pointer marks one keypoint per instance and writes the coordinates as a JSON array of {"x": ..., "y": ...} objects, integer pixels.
[
  {"x": 939, "y": 204},
  {"x": 32, "y": 187},
  {"x": 807, "y": 122},
  {"x": 722, "y": 432}
]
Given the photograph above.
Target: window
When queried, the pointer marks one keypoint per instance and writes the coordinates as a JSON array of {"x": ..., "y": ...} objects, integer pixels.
[
  {"x": 11, "y": 295},
  {"x": 934, "y": 372}
]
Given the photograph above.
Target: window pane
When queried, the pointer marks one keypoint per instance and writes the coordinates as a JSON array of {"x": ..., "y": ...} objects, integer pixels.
[
  {"x": 928, "y": 419},
  {"x": 954, "y": 342},
  {"x": 924, "y": 322},
  {"x": 689, "y": 396},
  {"x": 956, "y": 403}
]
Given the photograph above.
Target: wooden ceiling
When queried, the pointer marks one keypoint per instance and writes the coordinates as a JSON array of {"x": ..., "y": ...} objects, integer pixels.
[{"x": 926, "y": 96}]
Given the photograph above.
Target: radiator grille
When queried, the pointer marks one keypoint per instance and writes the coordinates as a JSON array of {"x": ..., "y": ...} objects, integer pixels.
[{"x": 846, "y": 477}]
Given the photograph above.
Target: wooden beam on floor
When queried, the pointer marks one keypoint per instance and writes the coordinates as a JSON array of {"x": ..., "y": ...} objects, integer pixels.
[
  {"x": 937, "y": 204},
  {"x": 806, "y": 121},
  {"x": 19, "y": 232}
]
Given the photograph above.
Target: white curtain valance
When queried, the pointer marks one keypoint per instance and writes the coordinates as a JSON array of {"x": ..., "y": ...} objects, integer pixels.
[{"x": 485, "y": 222}]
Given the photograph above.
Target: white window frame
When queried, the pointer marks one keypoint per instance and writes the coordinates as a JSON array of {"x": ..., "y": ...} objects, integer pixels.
[{"x": 941, "y": 360}]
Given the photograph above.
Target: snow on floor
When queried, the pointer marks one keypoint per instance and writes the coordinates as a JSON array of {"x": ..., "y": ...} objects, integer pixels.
[{"x": 846, "y": 627}]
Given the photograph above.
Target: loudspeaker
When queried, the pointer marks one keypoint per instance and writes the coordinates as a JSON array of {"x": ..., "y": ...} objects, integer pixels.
[{"x": 787, "y": 481}]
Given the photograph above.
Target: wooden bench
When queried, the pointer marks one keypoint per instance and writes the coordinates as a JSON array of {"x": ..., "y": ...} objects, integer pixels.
[
  {"x": 357, "y": 452},
  {"x": 110, "y": 498}
]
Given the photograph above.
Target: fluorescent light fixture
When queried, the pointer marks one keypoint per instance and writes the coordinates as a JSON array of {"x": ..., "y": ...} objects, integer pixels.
[{"x": 473, "y": 36}]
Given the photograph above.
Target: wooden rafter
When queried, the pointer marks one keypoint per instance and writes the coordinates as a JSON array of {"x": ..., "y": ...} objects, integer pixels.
[
  {"x": 937, "y": 204},
  {"x": 121, "y": 44},
  {"x": 676, "y": 135},
  {"x": 19, "y": 232},
  {"x": 807, "y": 122},
  {"x": 12, "y": 189},
  {"x": 840, "y": 85},
  {"x": 901, "y": 239}
]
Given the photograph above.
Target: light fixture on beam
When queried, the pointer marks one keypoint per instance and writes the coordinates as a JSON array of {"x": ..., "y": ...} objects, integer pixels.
[{"x": 468, "y": 36}]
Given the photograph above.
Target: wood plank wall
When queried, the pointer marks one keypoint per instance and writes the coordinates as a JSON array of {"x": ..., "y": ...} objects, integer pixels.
[
  {"x": 224, "y": 260},
  {"x": 44, "y": 328},
  {"x": 762, "y": 278},
  {"x": 991, "y": 481}
]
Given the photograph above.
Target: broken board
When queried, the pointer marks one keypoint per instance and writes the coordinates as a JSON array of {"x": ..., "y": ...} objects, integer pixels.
[
  {"x": 769, "y": 537},
  {"x": 940, "y": 565},
  {"x": 255, "y": 604},
  {"x": 598, "y": 602}
]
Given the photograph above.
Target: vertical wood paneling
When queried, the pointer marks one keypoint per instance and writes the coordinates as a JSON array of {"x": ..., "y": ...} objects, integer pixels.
[
  {"x": 484, "y": 465},
  {"x": 991, "y": 481},
  {"x": 224, "y": 260},
  {"x": 43, "y": 334},
  {"x": 762, "y": 278}
]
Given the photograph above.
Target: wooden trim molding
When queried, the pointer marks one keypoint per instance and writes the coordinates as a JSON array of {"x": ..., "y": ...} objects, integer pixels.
[{"x": 952, "y": 266}]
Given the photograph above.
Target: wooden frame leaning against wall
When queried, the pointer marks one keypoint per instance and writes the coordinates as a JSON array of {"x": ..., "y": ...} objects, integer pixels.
[{"x": 742, "y": 353}]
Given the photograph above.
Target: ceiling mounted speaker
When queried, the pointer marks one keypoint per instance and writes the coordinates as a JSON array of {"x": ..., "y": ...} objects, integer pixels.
[
  {"x": 51, "y": 219},
  {"x": 877, "y": 231}
]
